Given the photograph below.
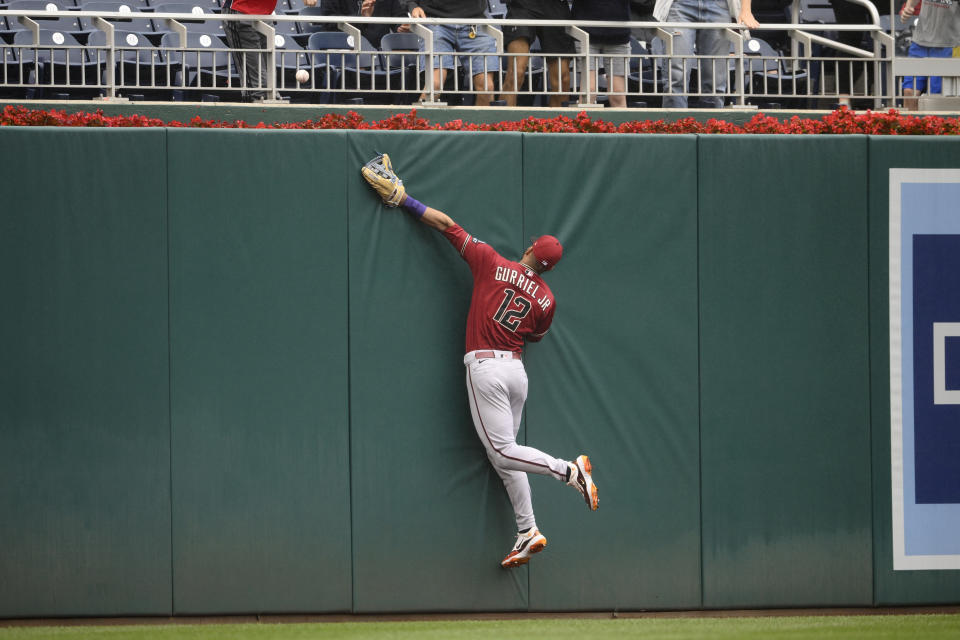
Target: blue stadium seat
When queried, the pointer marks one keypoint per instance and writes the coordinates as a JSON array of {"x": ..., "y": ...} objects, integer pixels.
[
  {"x": 137, "y": 23},
  {"x": 6, "y": 32},
  {"x": 141, "y": 6},
  {"x": 291, "y": 58},
  {"x": 400, "y": 55},
  {"x": 61, "y": 59},
  {"x": 205, "y": 64},
  {"x": 325, "y": 67},
  {"x": 140, "y": 65},
  {"x": 641, "y": 77},
  {"x": 770, "y": 75},
  {"x": 75, "y": 26},
  {"x": 307, "y": 28},
  {"x": 18, "y": 67},
  {"x": 287, "y": 28},
  {"x": 199, "y": 9}
]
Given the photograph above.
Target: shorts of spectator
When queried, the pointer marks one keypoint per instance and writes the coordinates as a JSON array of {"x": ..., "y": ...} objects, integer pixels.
[
  {"x": 612, "y": 57},
  {"x": 919, "y": 83},
  {"x": 449, "y": 39},
  {"x": 552, "y": 39}
]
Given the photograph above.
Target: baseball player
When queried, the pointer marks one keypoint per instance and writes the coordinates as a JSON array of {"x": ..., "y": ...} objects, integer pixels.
[{"x": 511, "y": 303}]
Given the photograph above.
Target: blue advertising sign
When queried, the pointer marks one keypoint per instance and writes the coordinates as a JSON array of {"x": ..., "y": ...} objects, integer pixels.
[{"x": 925, "y": 367}]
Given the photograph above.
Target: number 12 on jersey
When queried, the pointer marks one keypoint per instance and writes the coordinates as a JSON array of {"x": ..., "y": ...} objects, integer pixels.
[{"x": 511, "y": 315}]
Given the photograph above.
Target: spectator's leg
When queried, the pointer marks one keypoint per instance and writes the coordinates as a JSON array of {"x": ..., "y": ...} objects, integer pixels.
[
  {"x": 444, "y": 38},
  {"x": 683, "y": 48},
  {"x": 555, "y": 44},
  {"x": 911, "y": 103},
  {"x": 617, "y": 86},
  {"x": 711, "y": 42},
  {"x": 616, "y": 70},
  {"x": 439, "y": 77},
  {"x": 934, "y": 84},
  {"x": 680, "y": 68},
  {"x": 558, "y": 71},
  {"x": 243, "y": 35},
  {"x": 484, "y": 69},
  {"x": 486, "y": 84},
  {"x": 911, "y": 84},
  {"x": 516, "y": 68}
]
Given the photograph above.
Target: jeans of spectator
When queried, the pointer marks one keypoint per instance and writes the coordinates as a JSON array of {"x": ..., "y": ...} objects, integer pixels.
[
  {"x": 705, "y": 42},
  {"x": 450, "y": 38},
  {"x": 243, "y": 35}
]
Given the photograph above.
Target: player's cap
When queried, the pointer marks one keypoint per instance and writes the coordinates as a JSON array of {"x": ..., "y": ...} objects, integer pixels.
[{"x": 547, "y": 250}]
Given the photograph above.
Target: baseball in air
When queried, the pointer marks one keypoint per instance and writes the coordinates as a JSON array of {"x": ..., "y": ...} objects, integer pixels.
[{"x": 303, "y": 76}]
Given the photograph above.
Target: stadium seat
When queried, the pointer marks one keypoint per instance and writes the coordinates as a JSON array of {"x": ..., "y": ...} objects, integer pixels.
[
  {"x": 646, "y": 74},
  {"x": 140, "y": 66},
  {"x": 18, "y": 68},
  {"x": 307, "y": 28},
  {"x": 817, "y": 12},
  {"x": 75, "y": 26},
  {"x": 287, "y": 28},
  {"x": 770, "y": 77},
  {"x": 207, "y": 6},
  {"x": 6, "y": 32},
  {"x": 136, "y": 6},
  {"x": 400, "y": 53},
  {"x": 326, "y": 65},
  {"x": 496, "y": 9},
  {"x": 136, "y": 23},
  {"x": 362, "y": 73},
  {"x": 63, "y": 65},
  {"x": 290, "y": 59},
  {"x": 203, "y": 65},
  {"x": 199, "y": 9}
]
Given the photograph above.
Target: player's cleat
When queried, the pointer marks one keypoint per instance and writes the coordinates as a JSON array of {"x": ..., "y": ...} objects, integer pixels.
[
  {"x": 582, "y": 480},
  {"x": 528, "y": 544}
]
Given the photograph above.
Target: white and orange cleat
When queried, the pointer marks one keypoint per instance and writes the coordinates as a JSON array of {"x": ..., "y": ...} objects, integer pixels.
[
  {"x": 528, "y": 544},
  {"x": 582, "y": 480}
]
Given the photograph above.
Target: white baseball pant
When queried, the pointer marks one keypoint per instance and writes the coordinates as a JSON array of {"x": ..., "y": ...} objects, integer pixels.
[{"x": 497, "y": 390}]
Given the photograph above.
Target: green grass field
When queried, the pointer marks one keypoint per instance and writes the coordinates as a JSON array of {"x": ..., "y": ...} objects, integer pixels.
[{"x": 846, "y": 627}]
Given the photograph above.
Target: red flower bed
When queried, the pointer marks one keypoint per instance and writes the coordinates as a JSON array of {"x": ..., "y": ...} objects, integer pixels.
[{"x": 841, "y": 121}]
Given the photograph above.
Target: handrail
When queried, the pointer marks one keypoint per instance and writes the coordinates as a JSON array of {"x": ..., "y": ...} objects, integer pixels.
[
  {"x": 798, "y": 33},
  {"x": 193, "y": 17}
]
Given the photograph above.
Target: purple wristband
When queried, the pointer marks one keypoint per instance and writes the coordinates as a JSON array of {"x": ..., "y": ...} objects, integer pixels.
[{"x": 414, "y": 206}]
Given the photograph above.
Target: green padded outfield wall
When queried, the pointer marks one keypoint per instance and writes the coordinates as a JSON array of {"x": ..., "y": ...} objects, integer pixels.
[
  {"x": 428, "y": 510},
  {"x": 258, "y": 358},
  {"x": 232, "y": 381},
  {"x": 785, "y": 429},
  {"x": 617, "y": 376},
  {"x": 84, "y": 402}
]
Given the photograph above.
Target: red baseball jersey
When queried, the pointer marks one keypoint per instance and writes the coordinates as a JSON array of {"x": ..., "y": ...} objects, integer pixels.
[
  {"x": 254, "y": 7},
  {"x": 510, "y": 302}
]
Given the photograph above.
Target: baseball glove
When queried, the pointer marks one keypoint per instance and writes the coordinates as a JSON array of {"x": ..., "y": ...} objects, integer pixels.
[{"x": 379, "y": 174}]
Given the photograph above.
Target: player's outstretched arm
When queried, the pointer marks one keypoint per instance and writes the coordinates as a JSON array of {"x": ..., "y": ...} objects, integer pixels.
[
  {"x": 380, "y": 175},
  {"x": 427, "y": 215}
]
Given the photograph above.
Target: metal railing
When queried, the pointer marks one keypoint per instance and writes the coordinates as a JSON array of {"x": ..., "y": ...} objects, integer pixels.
[{"x": 185, "y": 57}]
